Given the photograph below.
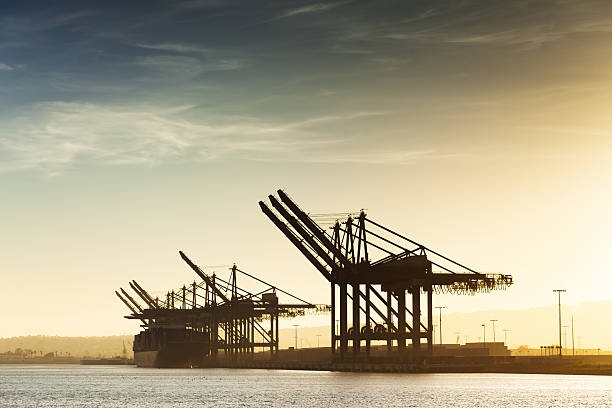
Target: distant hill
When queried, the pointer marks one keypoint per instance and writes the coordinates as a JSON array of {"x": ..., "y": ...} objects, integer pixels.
[
  {"x": 103, "y": 346},
  {"x": 533, "y": 327}
]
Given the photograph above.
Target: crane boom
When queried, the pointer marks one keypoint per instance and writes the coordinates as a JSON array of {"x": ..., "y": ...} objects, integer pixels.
[
  {"x": 136, "y": 288},
  {"x": 300, "y": 230},
  {"x": 131, "y": 299},
  {"x": 296, "y": 241},
  {"x": 205, "y": 277},
  {"x": 312, "y": 226},
  {"x": 129, "y": 306}
]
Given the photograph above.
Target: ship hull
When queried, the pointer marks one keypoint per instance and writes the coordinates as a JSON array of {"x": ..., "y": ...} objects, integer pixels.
[
  {"x": 164, "y": 347},
  {"x": 145, "y": 358},
  {"x": 180, "y": 355}
]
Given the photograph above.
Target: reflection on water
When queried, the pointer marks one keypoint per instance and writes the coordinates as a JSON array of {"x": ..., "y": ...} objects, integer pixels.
[{"x": 115, "y": 386}]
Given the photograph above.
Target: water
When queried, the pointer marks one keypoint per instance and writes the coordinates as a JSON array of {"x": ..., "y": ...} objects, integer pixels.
[{"x": 121, "y": 386}]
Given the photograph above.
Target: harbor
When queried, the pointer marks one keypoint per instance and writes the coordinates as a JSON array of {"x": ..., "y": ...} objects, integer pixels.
[{"x": 217, "y": 323}]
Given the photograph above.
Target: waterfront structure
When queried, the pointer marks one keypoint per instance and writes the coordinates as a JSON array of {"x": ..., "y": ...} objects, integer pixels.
[
  {"x": 200, "y": 322},
  {"x": 371, "y": 268}
]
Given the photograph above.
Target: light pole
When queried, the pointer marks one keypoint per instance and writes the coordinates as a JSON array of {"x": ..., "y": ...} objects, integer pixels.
[
  {"x": 433, "y": 340},
  {"x": 296, "y": 327},
  {"x": 493, "y": 321},
  {"x": 565, "y": 337},
  {"x": 440, "y": 326},
  {"x": 506, "y": 336},
  {"x": 484, "y": 334},
  {"x": 559, "y": 291},
  {"x": 318, "y": 340},
  {"x": 573, "y": 349}
]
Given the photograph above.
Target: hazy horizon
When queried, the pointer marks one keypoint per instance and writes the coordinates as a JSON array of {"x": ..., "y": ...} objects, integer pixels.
[{"x": 588, "y": 333}]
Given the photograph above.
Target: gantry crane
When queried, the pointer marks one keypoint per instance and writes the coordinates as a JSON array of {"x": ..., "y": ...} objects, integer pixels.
[
  {"x": 198, "y": 320},
  {"x": 372, "y": 267}
]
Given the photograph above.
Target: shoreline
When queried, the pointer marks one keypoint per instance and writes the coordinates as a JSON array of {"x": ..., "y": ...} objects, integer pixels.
[
  {"x": 42, "y": 361},
  {"x": 503, "y": 368},
  {"x": 321, "y": 360},
  {"x": 362, "y": 367},
  {"x": 386, "y": 369}
]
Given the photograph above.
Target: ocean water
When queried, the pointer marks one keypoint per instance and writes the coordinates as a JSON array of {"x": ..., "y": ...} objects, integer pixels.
[{"x": 126, "y": 386}]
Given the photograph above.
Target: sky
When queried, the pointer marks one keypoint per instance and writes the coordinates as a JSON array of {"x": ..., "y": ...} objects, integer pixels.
[{"x": 130, "y": 130}]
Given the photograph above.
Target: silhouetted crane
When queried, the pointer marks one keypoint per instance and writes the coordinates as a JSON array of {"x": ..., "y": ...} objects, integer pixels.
[{"x": 344, "y": 258}]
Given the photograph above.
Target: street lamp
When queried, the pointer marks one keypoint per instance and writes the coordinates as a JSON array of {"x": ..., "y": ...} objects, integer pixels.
[
  {"x": 493, "y": 321},
  {"x": 573, "y": 349},
  {"x": 484, "y": 334},
  {"x": 296, "y": 327},
  {"x": 506, "y": 336},
  {"x": 440, "y": 326},
  {"x": 559, "y": 291},
  {"x": 318, "y": 340}
]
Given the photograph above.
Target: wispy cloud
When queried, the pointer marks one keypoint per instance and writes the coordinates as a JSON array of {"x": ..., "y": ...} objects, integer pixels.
[
  {"x": 581, "y": 132},
  {"x": 177, "y": 68},
  {"x": 309, "y": 9},
  {"x": 534, "y": 36},
  {"x": 477, "y": 22},
  {"x": 200, "y": 4},
  {"x": 400, "y": 156},
  {"x": 379, "y": 157},
  {"x": 54, "y": 135},
  {"x": 42, "y": 20},
  {"x": 187, "y": 60},
  {"x": 331, "y": 118},
  {"x": 177, "y": 48},
  {"x": 312, "y": 8},
  {"x": 6, "y": 67}
]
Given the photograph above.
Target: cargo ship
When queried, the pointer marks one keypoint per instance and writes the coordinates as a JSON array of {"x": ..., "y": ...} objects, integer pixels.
[
  {"x": 163, "y": 347},
  {"x": 203, "y": 322}
]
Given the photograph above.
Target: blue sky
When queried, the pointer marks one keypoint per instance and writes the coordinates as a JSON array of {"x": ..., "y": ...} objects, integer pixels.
[
  {"x": 164, "y": 81},
  {"x": 131, "y": 130}
]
